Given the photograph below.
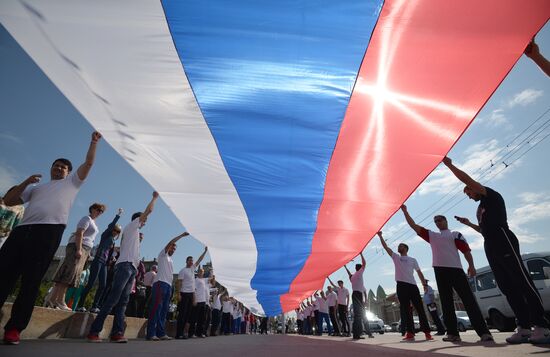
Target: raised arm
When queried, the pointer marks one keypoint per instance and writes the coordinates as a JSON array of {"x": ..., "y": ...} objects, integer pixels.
[
  {"x": 85, "y": 168},
  {"x": 115, "y": 220},
  {"x": 13, "y": 196},
  {"x": 349, "y": 273},
  {"x": 467, "y": 222},
  {"x": 410, "y": 221},
  {"x": 174, "y": 240},
  {"x": 464, "y": 177},
  {"x": 363, "y": 262},
  {"x": 149, "y": 207},
  {"x": 383, "y": 242},
  {"x": 201, "y": 257},
  {"x": 331, "y": 283},
  {"x": 532, "y": 51}
]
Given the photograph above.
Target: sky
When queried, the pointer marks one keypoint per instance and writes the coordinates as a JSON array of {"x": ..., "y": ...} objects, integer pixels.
[{"x": 39, "y": 124}]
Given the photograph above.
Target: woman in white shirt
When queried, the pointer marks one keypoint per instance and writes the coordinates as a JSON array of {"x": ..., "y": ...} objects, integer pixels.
[{"x": 76, "y": 255}]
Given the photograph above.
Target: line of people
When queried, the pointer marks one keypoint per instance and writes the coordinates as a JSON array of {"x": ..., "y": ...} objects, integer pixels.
[
  {"x": 504, "y": 257},
  {"x": 33, "y": 239},
  {"x": 331, "y": 308}
]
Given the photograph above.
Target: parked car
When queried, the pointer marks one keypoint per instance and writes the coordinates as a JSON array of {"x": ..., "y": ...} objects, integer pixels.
[
  {"x": 462, "y": 320},
  {"x": 493, "y": 303},
  {"x": 395, "y": 326},
  {"x": 376, "y": 324},
  {"x": 416, "y": 322}
]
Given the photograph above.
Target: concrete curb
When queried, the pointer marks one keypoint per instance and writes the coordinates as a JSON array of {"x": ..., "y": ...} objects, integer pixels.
[{"x": 50, "y": 324}]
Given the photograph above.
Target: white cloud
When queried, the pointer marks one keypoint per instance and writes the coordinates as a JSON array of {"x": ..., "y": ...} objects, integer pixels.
[
  {"x": 525, "y": 97},
  {"x": 498, "y": 117},
  {"x": 533, "y": 207},
  {"x": 495, "y": 119},
  {"x": 390, "y": 231},
  {"x": 475, "y": 240},
  {"x": 10, "y": 137},
  {"x": 478, "y": 159},
  {"x": 8, "y": 178}
]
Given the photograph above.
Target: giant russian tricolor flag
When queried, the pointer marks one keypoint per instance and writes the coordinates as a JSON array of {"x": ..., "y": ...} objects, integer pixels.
[{"x": 282, "y": 134}]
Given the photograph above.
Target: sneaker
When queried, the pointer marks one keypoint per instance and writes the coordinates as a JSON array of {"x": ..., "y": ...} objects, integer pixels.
[
  {"x": 452, "y": 338},
  {"x": 118, "y": 338},
  {"x": 153, "y": 338},
  {"x": 428, "y": 336},
  {"x": 92, "y": 337},
  {"x": 94, "y": 310},
  {"x": 165, "y": 338},
  {"x": 409, "y": 336},
  {"x": 81, "y": 309},
  {"x": 521, "y": 335},
  {"x": 540, "y": 335},
  {"x": 11, "y": 337},
  {"x": 486, "y": 337}
]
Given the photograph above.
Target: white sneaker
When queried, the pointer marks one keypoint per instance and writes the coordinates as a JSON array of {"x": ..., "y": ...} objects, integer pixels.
[
  {"x": 94, "y": 310},
  {"x": 521, "y": 335},
  {"x": 540, "y": 335}
]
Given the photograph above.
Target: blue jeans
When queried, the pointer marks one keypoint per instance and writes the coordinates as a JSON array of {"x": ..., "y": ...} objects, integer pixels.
[
  {"x": 323, "y": 316},
  {"x": 118, "y": 297},
  {"x": 160, "y": 299},
  {"x": 236, "y": 325},
  {"x": 98, "y": 270}
]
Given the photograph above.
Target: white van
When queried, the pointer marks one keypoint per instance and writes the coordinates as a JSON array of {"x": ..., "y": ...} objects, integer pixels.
[{"x": 493, "y": 303}]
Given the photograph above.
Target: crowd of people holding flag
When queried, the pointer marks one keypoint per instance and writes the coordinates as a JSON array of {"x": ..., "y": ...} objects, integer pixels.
[{"x": 32, "y": 235}]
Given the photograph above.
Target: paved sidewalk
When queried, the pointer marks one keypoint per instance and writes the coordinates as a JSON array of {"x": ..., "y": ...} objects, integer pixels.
[
  {"x": 223, "y": 346},
  {"x": 468, "y": 347},
  {"x": 387, "y": 345}
]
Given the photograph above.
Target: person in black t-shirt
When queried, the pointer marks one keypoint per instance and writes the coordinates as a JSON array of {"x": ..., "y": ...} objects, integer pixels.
[{"x": 502, "y": 251}]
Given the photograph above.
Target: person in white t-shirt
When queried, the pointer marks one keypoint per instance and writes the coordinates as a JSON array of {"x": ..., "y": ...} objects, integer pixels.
[
  {"x": 315, "y": 302},
  {"x": 299, "y": 320},
  {"x": 358, "y": 287},
  {"x": 202, "y": 294},
  {"x": 407, "y": 290},
  {"x": 216, "y": 310},
  {"x": 30, "y": 247},
  {"x": 308, "y": 319},
  {"x": 450, "y": 276},
  {"x": 227, "y": 314},
  {"x": 323, "y": 314},
  {"x": 123, "y": 279},
  {"x": 162, "y": 291},
  {"x": 148, "y": 281},
  {"x": 185, "y": 285},
  {"x": 76, "y": 255},
  {"x": 149, "y": 277},
  {"x": 332, "y": 302},
  {"x": 342, "y": 299}
]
